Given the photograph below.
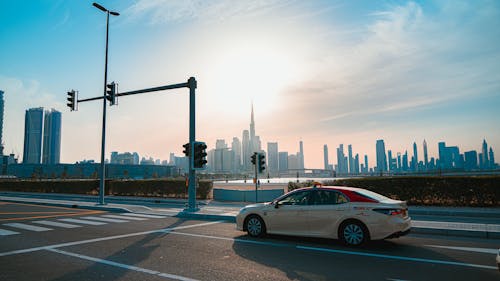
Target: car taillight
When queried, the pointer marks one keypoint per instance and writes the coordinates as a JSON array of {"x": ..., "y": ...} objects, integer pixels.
[{"x": 391, "y": 212}]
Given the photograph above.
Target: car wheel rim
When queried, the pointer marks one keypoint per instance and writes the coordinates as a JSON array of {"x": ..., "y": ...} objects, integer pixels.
[
  {"x": 254, "y": 226},
  {"x": 353, "y": 234}
]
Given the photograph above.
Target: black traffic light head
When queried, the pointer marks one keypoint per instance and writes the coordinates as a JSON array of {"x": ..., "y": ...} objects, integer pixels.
[
  {"x": 111, "y": 90},
  {"x": 254, "y": 158},
  {"x": 72, "y": 100},
  {"x": 200, "y": 155},
  {"x": 262, "y": 162},
  {"x": 187, "y": 148}
]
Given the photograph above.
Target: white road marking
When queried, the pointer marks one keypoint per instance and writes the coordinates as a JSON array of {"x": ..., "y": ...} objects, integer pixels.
[
  {"x": 104, "y": 219},
  {"x": 28, "y": 227},
  {"x": 468, "y": 249},
  {"x": 327, "y": 250},
  {"x": 144, "y": 216},
  {"x": 163, "y": 230},
  {"x": 57, "y": 224},
  {"x": 124, "y": 266},
  {"x": 83, "y": 221},
  {"x": 125, "y": 217},
  {"x": 4, "y": 232}
]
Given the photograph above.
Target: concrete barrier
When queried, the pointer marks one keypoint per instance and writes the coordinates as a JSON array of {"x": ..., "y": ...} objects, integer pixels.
[{"x": 265, "y": 195}]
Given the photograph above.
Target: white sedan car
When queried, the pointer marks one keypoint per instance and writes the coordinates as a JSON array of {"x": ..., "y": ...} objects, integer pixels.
[{"x": 353, "y": 215}]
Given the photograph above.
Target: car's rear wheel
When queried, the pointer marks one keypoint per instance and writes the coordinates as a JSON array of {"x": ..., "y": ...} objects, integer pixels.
[
  {"x": 353, "y": 233},
  {"x": 255, "y": 226}
]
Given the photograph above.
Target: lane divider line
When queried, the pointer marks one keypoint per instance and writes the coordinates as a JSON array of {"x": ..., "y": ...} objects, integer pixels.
[{"x": 124, "y": 266}]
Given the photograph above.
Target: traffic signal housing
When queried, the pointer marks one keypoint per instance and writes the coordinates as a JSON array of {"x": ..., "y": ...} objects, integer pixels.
[
  {"x": 111, "y": 90},
  {"x": 199, "y": 155},
  {"x": 187, "y": 149},
  {"x": 262, "y": 162},
  {"x": 254, "y": 158},
  {"x": 72, "y": 100}
]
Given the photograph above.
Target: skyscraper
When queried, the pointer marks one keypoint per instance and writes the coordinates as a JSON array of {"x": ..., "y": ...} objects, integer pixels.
[
  {"x": 301, "y": 155},
  {"x": 426, "y": 157},
  {"x": 486, "y": 162},
  {"x": 52, "y": 137},
  {"x": 1, "y": 122},
  {"x": 325, "y": 156},
  {"x": 33, "y": 121},
  {"x": 246, "y": 151},
  {"x": 415, "y": 157},
  {"x": 351, "y": 160},
  {"x": 236, "y": 148},
  {"x": 272, "y": 156},
  {"x": 381, "y": 156},
  {"x": 283, "y": 161}
]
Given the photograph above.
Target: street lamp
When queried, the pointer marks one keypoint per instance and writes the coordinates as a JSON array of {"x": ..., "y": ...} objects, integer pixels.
[{"x": 103, "y": 143}]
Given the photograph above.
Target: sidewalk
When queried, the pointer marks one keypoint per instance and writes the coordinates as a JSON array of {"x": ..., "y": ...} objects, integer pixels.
[{"x": 472, "y": 222}]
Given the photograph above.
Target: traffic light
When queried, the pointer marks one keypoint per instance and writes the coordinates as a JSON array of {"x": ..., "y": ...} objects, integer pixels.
[
  {"x": 262, "y": 162},
  {"x": 186, "y": 150},
  {"x": 72, "y": 100},
  {"x": 111, "y": 93},
  {"x": 254, "y": 158},
  {"x": 199, "y": 155}
]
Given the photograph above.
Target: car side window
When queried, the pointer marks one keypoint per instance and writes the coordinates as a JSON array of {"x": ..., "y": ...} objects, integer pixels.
[
  {"x": 329, "y": 197},
  {"x": 297, "y": 198}
]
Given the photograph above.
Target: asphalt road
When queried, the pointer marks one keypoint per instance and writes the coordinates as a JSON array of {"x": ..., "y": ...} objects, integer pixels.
[{"x": 134, "y": 247}]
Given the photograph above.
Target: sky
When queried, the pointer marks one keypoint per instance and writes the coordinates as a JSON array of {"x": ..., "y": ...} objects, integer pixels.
[{"x": 324, "y": 72}]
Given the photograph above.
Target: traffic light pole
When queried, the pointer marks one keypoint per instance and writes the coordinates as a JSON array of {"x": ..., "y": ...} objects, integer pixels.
[
  {"x": 103, "y": 141},
  {"x": 192, "y": 137},
  {"x": 256, "y": 180},
  {"x": 191, "y": 84}
]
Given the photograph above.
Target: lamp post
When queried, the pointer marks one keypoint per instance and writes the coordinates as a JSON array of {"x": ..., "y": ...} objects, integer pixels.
[{"x": 103, "y": 143}]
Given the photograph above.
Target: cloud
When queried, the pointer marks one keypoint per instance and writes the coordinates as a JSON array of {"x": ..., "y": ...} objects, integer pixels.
[{"x": 165, "y": 11}]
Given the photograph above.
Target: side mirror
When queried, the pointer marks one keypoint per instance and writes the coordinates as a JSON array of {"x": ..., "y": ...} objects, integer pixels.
[{"x": 276, "y": 205}]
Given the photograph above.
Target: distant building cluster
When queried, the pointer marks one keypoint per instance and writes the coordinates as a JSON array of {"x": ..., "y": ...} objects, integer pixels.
[
  {"x": 42, "y": 136},
  {"x": 450, "y": 159},
  {"x": 236, "y": 158}
]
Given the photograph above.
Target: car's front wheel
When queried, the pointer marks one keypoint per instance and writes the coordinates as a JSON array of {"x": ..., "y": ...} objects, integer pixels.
[
  {"x": 255, "y": 226},
  {"x": 353, "y": 233}
]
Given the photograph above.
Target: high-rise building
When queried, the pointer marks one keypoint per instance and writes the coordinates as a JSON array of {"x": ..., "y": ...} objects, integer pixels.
[
  {"x": 426, "y": 159},
  {"x": 246, "y": 151},
  {"x": 2, "y": 104},
  {"x": 33, "y": 121},
  {"x": 485, "y": 163},
  {"x": 366, "y": 164},
  {"x": 470, "y": 160},
  {"x": 325, "y": 157},
  {"x": 415, "y": 157},
  {"x": 301, "y": 155},
  {"x": 351, "y": 160},
  {"x": 236, "y": 148},
  {"x": 272, "y": 157},
  {"x": 381, "y": 157},
  {"x": 342, "y": 166},
  {"x": 52, "y": 137},
  {"x": 492, "y": 159},
  {"x": 283, "y": 161}
]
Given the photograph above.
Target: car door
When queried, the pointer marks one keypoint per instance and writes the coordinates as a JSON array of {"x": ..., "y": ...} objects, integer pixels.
[
  {"x": 289, "y": 214},
  {"x": 327, "y": 208}
]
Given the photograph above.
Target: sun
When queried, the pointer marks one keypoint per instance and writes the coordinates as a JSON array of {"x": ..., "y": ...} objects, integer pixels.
[{"x": 251, "y": 73}]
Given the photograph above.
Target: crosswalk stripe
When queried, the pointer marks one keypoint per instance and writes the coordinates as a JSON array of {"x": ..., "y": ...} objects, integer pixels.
[
  {"x": 144, "y": 216},
  {"x": 124, "y": 217},
  {"x": 27, "y": 227},
  {"x": 83, "y": 221},
  {"x": 104, "y": 219},
  {"x": 57, "y": 224},
  {"x": 4, "y": 232}
]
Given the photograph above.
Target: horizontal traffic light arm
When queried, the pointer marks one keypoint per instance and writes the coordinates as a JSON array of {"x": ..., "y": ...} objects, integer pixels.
[{"x": 148, "y": 90}]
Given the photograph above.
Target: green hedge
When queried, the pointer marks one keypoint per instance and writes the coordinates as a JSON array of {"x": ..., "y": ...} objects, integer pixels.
[
  {"x": 470, "y": 191},
  {"x": 150, "y": 188}
]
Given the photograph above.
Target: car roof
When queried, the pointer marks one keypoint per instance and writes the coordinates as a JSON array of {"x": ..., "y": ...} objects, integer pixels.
[{"x": 332, "y": 187}]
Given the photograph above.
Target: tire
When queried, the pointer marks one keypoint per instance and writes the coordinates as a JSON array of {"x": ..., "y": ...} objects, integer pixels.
[
  {"x": 353, "y": 233},
  {"x": 255, "y": 226}
]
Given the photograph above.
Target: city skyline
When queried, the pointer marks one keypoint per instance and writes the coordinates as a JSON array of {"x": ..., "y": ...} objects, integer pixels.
[{"x": 319, "y": 72}]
